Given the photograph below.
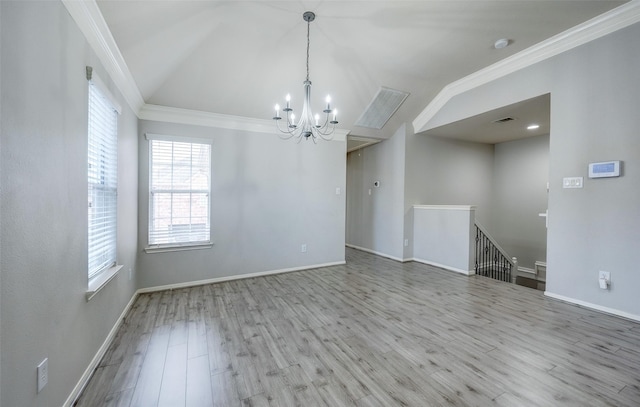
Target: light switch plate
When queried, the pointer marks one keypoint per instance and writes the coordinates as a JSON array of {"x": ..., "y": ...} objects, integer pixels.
[
  {"x": 43, "y": 374},
  {"x": 572, "y": 182}
]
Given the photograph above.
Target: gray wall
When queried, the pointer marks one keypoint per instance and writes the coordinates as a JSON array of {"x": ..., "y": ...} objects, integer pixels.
[
  {"x": 269, "y": 196},
  {"x": 521, "y": 172},
  {"x": 443, "y": 236},
  {"x": 594, "y": 117},
  {"x": 413, "y": 170},
  {"x": 43, "y": 174},
  {"x": 447, "y": 172},
  {"x": 375, "y": 222}
]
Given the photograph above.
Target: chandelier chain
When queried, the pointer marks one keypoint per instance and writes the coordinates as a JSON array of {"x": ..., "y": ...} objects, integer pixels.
[{"x": 308, "y": 43}]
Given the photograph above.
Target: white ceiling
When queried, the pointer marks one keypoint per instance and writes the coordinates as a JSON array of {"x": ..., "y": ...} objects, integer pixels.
[
  {"x": 492, "y": 128},
  {"x": 241, "y": 57}
]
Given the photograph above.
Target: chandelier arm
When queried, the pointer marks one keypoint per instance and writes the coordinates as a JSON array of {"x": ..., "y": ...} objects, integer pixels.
[
  {"x": 293, "y": 127},
  {"x": 285, "y": 137},
  {"x": 325, "y": 124},
  {"x": 291, "y": 133},
  {"x": 325, "y": 129},
  {"x": 322, "y": 134}
]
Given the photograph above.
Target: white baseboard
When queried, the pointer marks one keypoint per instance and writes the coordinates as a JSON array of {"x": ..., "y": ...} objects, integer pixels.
[
  {"x": 236, "y": 277},
  {"x": 530, "y": 273},
  {"x": 442, "y": 266},
  {"x": 592, "y": 306},
  {"x": 388, "y": 256},
  {"x": 93, "y": 365},
  {"x": 526, "y": 270}
]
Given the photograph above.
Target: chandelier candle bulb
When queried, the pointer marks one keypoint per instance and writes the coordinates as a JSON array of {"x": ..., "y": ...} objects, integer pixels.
[
  {"x": 317, "y": 120},
  {"x": 288, "y": 99}
]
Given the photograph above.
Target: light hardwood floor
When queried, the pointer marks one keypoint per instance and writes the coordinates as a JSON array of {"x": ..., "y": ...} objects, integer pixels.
[{"x": 373, "y": 332}]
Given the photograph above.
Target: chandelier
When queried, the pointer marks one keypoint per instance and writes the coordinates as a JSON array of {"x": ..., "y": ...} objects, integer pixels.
[{"x": 309, "y": 125}]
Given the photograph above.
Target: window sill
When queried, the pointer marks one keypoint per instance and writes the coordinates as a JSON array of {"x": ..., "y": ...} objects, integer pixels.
[
  {"x": 164, "y": 249},
  {"x": 101, "y": 280}
]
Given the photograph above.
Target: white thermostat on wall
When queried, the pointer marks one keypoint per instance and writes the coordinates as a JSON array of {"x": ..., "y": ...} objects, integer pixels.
[{"x": 604, "y": 169}]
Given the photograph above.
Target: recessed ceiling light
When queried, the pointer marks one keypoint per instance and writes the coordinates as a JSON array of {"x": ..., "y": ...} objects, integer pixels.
[
  {"x": 501, "y": 43},
  {"x": 533, "y": 126}
]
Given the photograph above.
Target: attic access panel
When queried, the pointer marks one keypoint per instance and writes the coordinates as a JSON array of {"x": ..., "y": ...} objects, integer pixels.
[{"x": 382, "y": 107}]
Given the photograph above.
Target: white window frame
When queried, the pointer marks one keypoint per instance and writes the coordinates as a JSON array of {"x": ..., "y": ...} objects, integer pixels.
[
  {"x": 168, "y": 246},
  {"x": 102, "y": 182}
]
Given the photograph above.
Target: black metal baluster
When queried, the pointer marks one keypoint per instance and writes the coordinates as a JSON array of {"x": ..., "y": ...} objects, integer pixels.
[
  {"x": 477, "y": 247},
  {"x": 489, "y": 261}
]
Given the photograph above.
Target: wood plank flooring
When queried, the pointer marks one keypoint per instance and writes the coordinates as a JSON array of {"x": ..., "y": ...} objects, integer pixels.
[{"x": 373, "y": 332}]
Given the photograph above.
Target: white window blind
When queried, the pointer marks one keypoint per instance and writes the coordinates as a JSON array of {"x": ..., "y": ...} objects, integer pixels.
[
  {"x": 102, "y": 179},
  {"x": 179, "y": 192}
]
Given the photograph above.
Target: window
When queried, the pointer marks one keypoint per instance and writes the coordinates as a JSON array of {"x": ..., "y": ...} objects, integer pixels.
[
  {"x": 179, "y": 192},
  {"x": 102, "y": 179}
]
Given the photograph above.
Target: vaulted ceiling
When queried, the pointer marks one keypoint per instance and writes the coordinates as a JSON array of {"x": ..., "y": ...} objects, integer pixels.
[{"x": 241, "y": 57}]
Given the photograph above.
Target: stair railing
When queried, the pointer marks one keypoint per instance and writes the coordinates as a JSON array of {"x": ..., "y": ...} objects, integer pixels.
[{"x": 492, "y": 260}]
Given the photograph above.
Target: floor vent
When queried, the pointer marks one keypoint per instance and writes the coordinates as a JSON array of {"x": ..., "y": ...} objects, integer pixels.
[{"x": 382, "y": 107}]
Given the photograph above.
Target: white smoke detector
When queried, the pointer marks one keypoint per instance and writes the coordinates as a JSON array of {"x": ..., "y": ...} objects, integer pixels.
[{"x": 501, "y": 43}]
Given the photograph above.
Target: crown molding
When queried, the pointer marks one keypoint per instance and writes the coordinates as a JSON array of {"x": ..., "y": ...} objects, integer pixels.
[
  {"x": 199, "y": 118},
  {"x": 366, "y": 142},
  {"x": 611, "y": 21},
  {"x": 89, "y": 19}
]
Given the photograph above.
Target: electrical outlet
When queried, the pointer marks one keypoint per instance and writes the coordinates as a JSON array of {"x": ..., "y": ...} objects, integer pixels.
[
  {"x": 406, "y": 242},
  {"x": 130, "y": 273},
  {"x": 43, "y": 374},
  {"x": 604, "y": 279},
  {"x": 303, "y": 248}
]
